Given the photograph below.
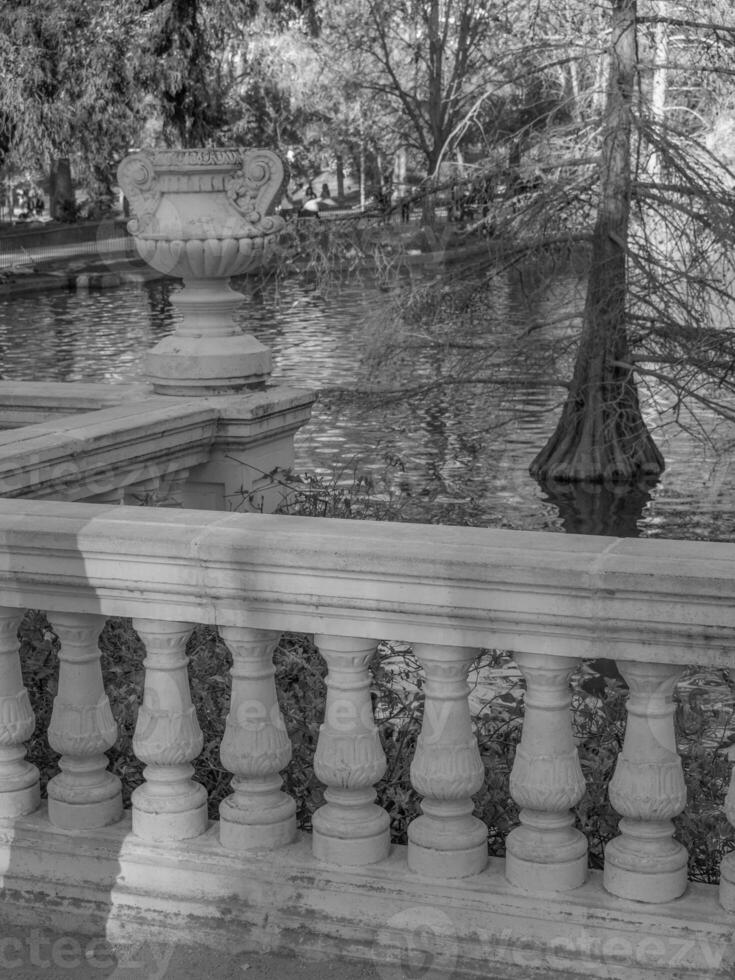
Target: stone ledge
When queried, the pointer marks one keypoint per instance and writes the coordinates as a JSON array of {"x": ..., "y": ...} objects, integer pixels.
[
  {"x": 194, "y": 892},
  {"x": 564, "y": 595},
  {"x": 30, "y": 402},
  {"x": 126, "y": 436},
  {"x": 104, "y": 450}
]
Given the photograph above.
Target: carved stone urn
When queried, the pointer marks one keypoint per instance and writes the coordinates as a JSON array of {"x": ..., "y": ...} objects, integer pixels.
[{"x": 204, "y": 215}]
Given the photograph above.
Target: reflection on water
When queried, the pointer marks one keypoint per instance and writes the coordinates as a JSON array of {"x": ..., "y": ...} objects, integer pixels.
[
  {"x": 60, "y": 335},
  {"x": 464, "y": 450}
]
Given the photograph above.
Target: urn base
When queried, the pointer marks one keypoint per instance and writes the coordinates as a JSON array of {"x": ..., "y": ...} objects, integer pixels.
[{"x": 207, "y": 365}]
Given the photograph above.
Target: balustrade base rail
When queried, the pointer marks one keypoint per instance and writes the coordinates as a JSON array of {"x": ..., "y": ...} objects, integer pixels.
[{"x": 107, "y": 882}]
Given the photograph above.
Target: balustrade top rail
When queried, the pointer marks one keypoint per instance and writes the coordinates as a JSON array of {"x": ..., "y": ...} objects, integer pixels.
[{"x": 567, "y": 595}]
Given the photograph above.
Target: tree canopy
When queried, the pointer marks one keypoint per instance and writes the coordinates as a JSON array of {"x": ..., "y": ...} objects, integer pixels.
[{"x": 61, "y": 95}]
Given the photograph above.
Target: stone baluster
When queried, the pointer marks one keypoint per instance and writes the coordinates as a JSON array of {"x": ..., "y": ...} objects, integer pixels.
[
  {"x": 84, "y": 794},
  {"x": 19, "y": 788},
  {"x": 350, "y": 829},
  {"x": 546, "y": 853},
  {"x": 255, "y": 747},
  {"x": 644, "y": 862},
  {"x": 169, "y": 805},
  {"x": 727, "y": 865},
  {"x": 446, "y": 841}
]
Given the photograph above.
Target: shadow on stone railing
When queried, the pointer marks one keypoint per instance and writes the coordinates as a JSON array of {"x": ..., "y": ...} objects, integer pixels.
[{"x": 163, "y": 869}]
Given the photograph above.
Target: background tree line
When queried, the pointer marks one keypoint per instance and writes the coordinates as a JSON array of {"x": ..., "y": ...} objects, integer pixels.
[{"x": 392, "y": 85}]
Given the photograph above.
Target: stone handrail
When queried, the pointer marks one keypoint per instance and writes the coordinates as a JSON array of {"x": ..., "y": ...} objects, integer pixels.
[
  {"x": 23, "y": 404},
  {"x": 564, "y": 595},
  {"x": 654, "y": 606}
]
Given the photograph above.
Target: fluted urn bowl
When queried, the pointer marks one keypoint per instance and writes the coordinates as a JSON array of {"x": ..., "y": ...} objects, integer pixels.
[{"x": 203, "y": 213}]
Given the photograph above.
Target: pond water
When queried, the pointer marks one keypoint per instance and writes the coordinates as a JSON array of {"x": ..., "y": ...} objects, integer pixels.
[{"x": 457, "y": 453}]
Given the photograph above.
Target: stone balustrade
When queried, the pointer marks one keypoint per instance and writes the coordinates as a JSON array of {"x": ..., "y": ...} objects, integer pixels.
[
  {"x": 164, "y": 870},
  {"x": 134, "y": 446},
  {"x": 22, "y": 403}
]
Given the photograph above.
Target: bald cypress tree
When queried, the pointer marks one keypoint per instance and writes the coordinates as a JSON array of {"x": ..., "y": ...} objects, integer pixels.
[{"x": 601, "y": 435}]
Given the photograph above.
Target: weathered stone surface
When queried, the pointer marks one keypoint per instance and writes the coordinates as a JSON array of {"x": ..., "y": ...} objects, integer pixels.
[{"x": 288, "y": 900}]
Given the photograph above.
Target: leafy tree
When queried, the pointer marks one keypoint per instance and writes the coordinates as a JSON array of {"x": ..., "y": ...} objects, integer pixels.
[
  {"x": 661, "y": 275},
  {"x": 421, "y": 63},
  {"x": 80, "y": 79},
  {"x": 181, "y": 67},
  {"x": 601, "y": 432},
  {"x": 275, "y": 98},
  {"x": 660, "y": 269},
  {"x": 67, "y": 87}
]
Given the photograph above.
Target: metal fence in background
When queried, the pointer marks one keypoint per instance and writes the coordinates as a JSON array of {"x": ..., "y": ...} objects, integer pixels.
[{"x": 43, "y": 246}]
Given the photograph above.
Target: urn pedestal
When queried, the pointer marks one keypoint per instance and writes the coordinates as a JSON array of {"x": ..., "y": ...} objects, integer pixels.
[{"x": 204, "y": 215}]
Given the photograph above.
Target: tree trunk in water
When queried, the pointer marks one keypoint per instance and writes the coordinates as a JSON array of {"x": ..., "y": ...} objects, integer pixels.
[
  {"x": 340, "y": 177},
  {"x": 62, "y": 202},
  {"x": 601, "y": 436},
  {"x": 594, "y": 508},
  {"x": 428, "y": 199},
  {"x": 428, "y": 207},
  {"x": 362, "y": 173}
]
